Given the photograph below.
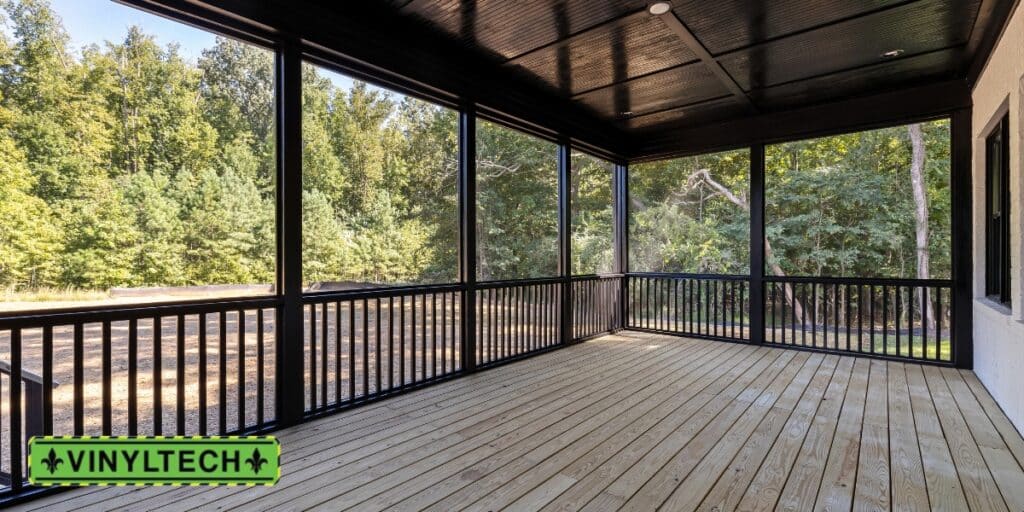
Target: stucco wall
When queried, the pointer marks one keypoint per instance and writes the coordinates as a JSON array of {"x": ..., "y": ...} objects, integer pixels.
[{"x": 999, "y": 332}]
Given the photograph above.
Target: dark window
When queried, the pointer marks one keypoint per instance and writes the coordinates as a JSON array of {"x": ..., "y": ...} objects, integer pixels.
[{"x": 997, "y": 212}]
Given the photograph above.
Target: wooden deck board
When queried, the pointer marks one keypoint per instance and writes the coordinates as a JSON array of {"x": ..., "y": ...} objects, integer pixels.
[{"x": 643, "y": 421}]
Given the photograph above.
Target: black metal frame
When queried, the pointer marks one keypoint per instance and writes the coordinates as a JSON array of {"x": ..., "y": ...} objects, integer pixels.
[{"x": 927, "y": 102}]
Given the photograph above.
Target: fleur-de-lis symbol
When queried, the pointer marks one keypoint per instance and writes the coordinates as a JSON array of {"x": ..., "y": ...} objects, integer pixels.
[
  {"x": 256, "y": 461},
  {"x": 52, "y": 461}
]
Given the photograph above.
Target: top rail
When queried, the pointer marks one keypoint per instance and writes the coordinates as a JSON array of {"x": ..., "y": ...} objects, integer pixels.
[{"x": 93, "y": 314}]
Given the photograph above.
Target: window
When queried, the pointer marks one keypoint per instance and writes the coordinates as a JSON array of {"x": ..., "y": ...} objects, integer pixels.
[
  {"x": 592, "y": 216},
  {"x": 997, "y": 212},
  {"x": 866, "y": 204},
  {"x": 379, "y": 186},
  {"x": 690, "y": 214},
  {"x": 517, "y": 204},
  {"x": 136, "y": 158}
]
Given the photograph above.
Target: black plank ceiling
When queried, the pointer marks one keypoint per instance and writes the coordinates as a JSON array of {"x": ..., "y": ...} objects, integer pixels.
[{"x": 613, "y": 75}]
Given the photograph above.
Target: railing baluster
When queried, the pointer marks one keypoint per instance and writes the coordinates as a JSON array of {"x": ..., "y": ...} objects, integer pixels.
[
  {"x": 366, "y": 348},
  {"x": 337, "y": 352},
  {"x": 158, "y": 384},
  {"x": 260, "y": 368},
  {"x": 352, "y": 348},
  {"x": 391, "y": 343},
  {"x": 324, "y": 358},
  {"x": 241, "y": 370},
  {"x": 312, "y": 357},
  {"x": 924, "y": 319},
  {"x": 14, "y": 398},
  {"x": 202, "y": 374},
  {"x": 222, "y": 374},
  {"x": 897, "y": 299},
  {"x": 836, "y": 301},
  {"x": 181, "y": 373},
  {"x": 377, "y": 346},
  {"x": 48, "y": 380},
  {"x": 885, "y": 319},
  {"x": 107, "y": 364},
  {"x": 938, "y": 328},
  {"x": 444, "y": 332},
  {"x": 133, "y": 377},
  {"x": 412, "y": 339},
  {"x": 401, "y": 342}
]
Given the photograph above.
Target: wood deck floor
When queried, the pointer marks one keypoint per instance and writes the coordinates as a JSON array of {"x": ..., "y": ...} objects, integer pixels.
[{"x": 641, "y": 422}]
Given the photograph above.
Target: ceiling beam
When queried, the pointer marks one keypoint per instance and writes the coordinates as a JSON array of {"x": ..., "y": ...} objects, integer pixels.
[
  {"x": 680, "y": 30},
  {"x": 863, "y": 113}
]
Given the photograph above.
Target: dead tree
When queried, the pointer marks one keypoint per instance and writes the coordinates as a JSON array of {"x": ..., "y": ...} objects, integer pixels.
[{"x": 917, "y": 179}]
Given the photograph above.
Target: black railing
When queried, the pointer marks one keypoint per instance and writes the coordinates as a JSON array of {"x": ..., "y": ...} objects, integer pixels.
[
  {"x": 516, "y": 318},
  {"x": 364, "y": 344},
  {"x": 596, "y": 305},
  {"x": 908, "y": 319},
  {"x": 189, "y": 368},
  {"x": 697, "y": 305},
  {"x": 209, "y": 367}
]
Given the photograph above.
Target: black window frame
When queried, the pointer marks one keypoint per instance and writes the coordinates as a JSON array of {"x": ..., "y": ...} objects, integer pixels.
[{"x": 997, "y": 212}]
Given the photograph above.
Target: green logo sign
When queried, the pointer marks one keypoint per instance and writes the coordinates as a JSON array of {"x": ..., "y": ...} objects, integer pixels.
[{"x": 180, "y": 460}]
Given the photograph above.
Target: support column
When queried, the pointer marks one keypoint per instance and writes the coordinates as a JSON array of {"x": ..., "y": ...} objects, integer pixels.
[
  {"x": 565, "y": 239},
  {"x": 962, "y": 300},
  {"x": 467, "y": 235},
  {"x": 620, "y": 213},
  {"x": 757, "y": 249},
  {"x": 290, "y": 395}
]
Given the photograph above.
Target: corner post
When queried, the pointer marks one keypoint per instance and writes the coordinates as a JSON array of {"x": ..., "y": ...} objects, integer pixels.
[
  {"x": 565, "y": 240},
  {"x": 467, "y": 235},
  {"x": 962, "y": 300},
  {"x": 289, "y": 401},
  {"x": 620, "y": 213},
  {"x": 756, "y": 306}
]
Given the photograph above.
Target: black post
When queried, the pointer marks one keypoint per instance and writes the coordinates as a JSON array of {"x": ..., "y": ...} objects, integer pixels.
[
  {"x": 565, "y": 239},
  {"x": 620, "y": 204},
  {"x": 467, "y": 235},
  {"x": 757, "y": 249},
  {"x": 289, "y": 401},
  {"x": 963, "y": 265}
]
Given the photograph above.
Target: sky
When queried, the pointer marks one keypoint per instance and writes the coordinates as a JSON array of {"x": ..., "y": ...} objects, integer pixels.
[{"x": 95, "y": 21}]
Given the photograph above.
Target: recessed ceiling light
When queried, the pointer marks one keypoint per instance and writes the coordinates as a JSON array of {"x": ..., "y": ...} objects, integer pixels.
[
  {"x": 659, "y": 8},
  {"x": 892, "y": 53}
]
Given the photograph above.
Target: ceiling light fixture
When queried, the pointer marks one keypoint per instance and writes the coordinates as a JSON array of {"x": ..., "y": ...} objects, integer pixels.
[
  {"x": 626, "y": 113},
  {"x": 659, "y": 8},
  {"x": 892, "y": 53}
]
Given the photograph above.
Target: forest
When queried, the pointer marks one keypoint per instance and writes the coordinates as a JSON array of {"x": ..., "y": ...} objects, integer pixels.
[
  {"x": 865, "y": 204},
  {"x": 125, "y": 164}
]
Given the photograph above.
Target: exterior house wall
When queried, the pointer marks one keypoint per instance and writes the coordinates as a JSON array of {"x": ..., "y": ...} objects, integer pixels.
[{"x": 999, "y": 331}]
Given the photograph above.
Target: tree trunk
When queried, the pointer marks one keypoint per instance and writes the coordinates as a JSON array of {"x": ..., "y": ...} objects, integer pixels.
[{"x": 921, "y": 219}]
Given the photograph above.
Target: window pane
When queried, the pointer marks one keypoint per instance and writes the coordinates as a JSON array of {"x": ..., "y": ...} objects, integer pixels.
[
  {"x": 517, "y": 204},
  {"x": 690, "y": 214},
  {"x": 136, "y": 158},
  {"x": 592, "y": 218},
  {"x": 379, "y": 186},
  {"x": 862, "y": 204}
]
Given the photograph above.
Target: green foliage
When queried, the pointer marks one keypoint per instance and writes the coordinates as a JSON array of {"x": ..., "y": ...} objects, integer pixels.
[
  {"x": 592, "y": 215},
  {"x": 517, "y": 204},
  {"x": 679, "y": 222},
  {"x": 843, "y": 205},
  {"x": 125, "y": 165}
]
